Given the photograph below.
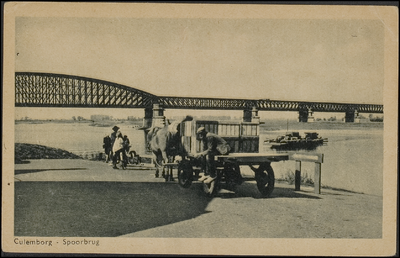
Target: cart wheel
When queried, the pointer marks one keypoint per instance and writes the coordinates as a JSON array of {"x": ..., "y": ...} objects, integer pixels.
[
  {"x": 265, "y": 179},
  {"x": 211, "y": 188},
  {"x": 232, "y": 176},
  {"x": 185, "y": 174}
]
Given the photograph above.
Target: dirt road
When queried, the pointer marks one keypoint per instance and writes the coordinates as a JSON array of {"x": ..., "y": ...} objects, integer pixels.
[{"x": 51, "y": 194}]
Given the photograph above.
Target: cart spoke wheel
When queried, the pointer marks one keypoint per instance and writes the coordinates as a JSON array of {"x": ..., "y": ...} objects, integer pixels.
[
  {"x": 232, "y": 176},
  {"x": 185, "y": 174},
  {"x": 265, "y": 179}
]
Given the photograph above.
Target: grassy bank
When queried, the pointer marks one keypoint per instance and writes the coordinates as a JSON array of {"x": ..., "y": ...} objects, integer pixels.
[{"x": 25, "y": 151}]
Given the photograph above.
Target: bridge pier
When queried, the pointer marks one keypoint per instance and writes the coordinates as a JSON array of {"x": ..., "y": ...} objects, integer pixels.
[
  {"x": 310, "y": 116},
  {"x": 351, "y": 116},
  {"x": 158, "y": 116},
  {"x": 303, "y": 116},
  {"x": 154, "y": 116},
  {"x": 306, "y": 116},
  {"x": 247, "y": 115},
  {"x": 148, "y": 117},
  {"x": 255, "y": 118},
  {"x": 251, "y": 115}
]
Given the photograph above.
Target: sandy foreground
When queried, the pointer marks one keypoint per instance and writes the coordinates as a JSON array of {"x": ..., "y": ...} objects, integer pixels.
[{"x": 51, "y": 194}]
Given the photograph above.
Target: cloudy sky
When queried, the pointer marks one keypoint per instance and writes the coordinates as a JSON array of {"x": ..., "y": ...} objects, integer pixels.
[{"x": 298, "y": 59}]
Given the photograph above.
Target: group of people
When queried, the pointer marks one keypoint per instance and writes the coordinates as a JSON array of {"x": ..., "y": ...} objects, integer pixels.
[{"x": 116, "y": 148}]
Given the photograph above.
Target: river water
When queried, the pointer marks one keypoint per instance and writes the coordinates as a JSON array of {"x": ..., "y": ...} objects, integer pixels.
[{"x": 353, "y": 158}]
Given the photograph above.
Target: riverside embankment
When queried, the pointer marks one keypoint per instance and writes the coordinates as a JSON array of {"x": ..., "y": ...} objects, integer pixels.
[{"x": 72, "y": 198}]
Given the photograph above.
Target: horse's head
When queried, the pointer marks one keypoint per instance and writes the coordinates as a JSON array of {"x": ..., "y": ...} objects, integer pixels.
[
  {"x": 174, "y": 133},
  {"x": 167, "y": 139}
]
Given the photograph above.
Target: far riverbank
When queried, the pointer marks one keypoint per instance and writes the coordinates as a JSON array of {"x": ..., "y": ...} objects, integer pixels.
[
  {"x": 266, "y": 125},
  {"x": 292, "y": 125}
]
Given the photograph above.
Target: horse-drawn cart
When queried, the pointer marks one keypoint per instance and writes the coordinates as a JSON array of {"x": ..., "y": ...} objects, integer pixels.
[{"x": 243, "y": 138}]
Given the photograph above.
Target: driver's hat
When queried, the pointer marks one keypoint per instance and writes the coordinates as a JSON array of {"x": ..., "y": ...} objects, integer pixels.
[{"x": 201, "y": 130}]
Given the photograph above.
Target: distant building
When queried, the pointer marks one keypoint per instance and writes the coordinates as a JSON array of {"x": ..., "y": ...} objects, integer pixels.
[
  {"x": 220, "y": 118},
  {"x": 134, "y": 118},
  {"x": 100, "y": 117}
]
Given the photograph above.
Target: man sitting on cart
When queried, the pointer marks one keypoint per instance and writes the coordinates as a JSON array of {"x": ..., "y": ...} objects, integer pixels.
[{"x": 212, "y": 145}]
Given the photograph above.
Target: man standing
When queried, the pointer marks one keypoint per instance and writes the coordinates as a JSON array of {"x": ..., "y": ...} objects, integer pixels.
[
  {"x": 107, "y": 147},
  {"x": 127, "y": 144},
  {"x": 212, "y": 145},
  {"x": 113, "y": 136},
  {"x": 118, "y": 150}
]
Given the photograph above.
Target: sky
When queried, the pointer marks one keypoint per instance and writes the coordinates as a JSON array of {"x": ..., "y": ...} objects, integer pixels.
[{"x": 279, "y": 59}]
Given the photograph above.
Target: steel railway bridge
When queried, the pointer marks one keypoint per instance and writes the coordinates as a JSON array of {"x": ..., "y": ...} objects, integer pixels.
[{"x": 58, "y": 90}]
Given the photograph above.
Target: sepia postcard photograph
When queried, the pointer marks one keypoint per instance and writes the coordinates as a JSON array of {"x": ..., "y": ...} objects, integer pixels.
[{"x": 200, "y": 129}]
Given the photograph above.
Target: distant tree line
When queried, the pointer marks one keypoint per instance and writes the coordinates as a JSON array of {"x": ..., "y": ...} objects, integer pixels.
[
  {"x": 376, "y": 118},
  {"x": 79, "y": 118},
  {"x": 332, "y": 118}
]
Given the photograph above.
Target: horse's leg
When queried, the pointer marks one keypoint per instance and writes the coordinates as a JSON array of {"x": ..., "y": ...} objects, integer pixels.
[
  {"x": 163, "y": 172},
  {"x": 164, "y": 160},
  {"x": 171, "y": 177},
  {"x": 156, "y": 165},
  {"x": 166, "y": 174}
]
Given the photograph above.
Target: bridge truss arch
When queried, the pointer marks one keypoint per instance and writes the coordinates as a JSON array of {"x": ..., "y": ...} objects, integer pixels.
[{"x": 59, "y": 90}]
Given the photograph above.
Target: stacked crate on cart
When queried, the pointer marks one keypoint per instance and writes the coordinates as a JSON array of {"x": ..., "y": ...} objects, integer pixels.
[{"x": 243, "y": 137}]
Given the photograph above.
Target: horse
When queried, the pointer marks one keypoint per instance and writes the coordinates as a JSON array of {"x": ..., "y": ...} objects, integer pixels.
[{"x": 165, "y": 143}]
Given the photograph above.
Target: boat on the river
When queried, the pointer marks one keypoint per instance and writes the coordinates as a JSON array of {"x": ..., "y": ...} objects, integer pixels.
[{"x": 293, "y": 141}]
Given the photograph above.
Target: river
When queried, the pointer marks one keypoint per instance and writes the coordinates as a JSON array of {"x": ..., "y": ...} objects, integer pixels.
[{"x": 353, "y": 157}]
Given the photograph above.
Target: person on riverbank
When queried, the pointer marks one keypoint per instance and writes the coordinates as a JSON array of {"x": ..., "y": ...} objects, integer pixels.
[
  {"x": 113, "y": 136},
  {"x": 212, "y": 145},
  {"x": 118, "y": 150},
  {"x": 127, "y": 144},
  {"x": 107, "y": 147}
]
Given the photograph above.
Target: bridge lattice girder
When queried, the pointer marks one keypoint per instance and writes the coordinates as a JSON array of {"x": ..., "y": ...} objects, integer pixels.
[
  {"x": 57, "y": 90},
  {"x": 205, "y": 103},
  {"x": 317, "y": 106}
]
